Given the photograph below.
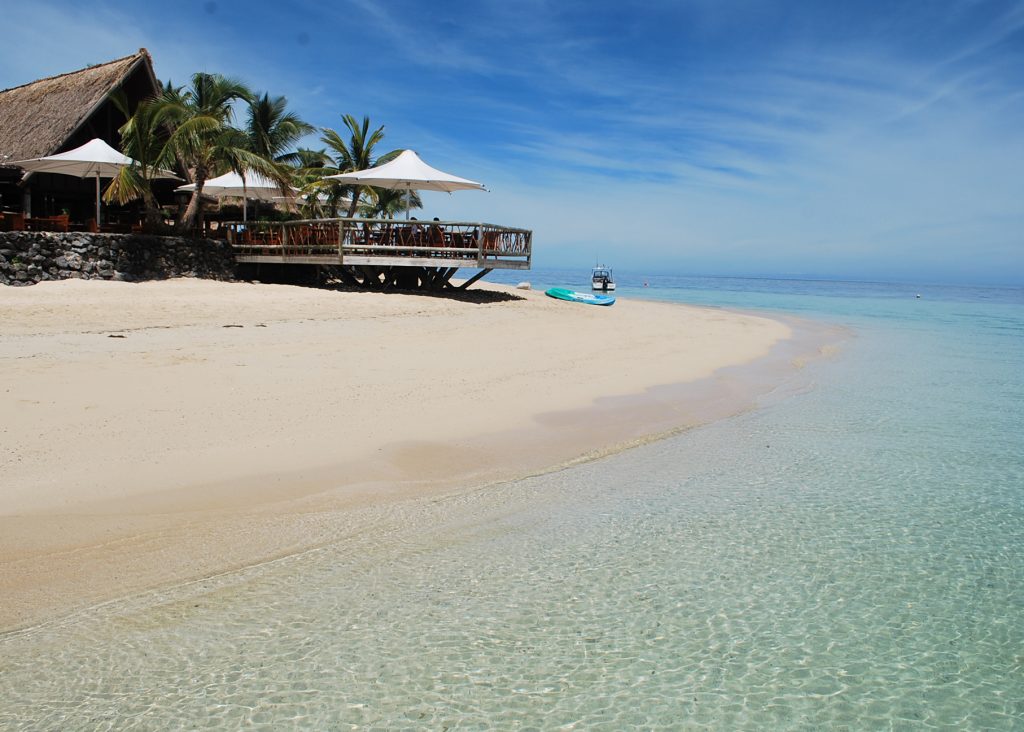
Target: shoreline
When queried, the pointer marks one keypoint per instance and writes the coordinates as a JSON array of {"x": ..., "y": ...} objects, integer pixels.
[{"x": 74, "y": 542}]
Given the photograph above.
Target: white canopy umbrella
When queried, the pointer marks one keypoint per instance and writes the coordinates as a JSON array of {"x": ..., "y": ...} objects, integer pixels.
[
  {"x": 408, "y": 173},
  {"x": 94, "y": 158},
  {"x": 232, "y": 185}
]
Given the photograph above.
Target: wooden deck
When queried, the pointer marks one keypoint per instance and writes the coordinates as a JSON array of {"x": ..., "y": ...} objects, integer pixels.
[{"x": 382, "y": 243}]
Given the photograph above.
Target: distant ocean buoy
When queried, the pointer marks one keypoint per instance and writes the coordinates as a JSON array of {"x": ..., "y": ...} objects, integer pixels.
[{"x": 918, "y": 296}]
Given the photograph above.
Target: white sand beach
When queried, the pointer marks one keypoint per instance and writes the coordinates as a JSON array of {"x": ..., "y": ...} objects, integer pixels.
[{"x": 163, "y": 431}]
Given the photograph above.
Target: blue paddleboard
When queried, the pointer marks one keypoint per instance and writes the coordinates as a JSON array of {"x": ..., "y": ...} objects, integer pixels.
[{"x": 560, "y": 293}]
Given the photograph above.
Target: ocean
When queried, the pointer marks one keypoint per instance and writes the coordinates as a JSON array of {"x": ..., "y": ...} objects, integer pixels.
[{"x": 849, "y": 555}]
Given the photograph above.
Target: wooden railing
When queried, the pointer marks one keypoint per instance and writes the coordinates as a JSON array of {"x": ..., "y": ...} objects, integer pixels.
[
  {"x": 47, "y": 223},
  {"x": 361, "y": 239}
]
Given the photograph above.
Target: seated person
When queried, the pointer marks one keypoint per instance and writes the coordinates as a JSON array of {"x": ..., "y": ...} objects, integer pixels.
[
  {"x": 410, "y": 235},
  {"x": 436, "y": 234}
]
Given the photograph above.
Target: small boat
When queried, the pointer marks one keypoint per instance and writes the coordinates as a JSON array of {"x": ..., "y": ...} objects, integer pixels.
[
  {"x": 560, "y": 293},
  {"x": 601, "y": 279}
]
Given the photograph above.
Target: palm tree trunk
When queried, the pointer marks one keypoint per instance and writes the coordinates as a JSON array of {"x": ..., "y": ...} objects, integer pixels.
[
  {"x": 195, "y": 204},
  {"x": 188, "y": 220},
  {"x": 153, "y": 217},
  {"x": 355, "y": 202}
]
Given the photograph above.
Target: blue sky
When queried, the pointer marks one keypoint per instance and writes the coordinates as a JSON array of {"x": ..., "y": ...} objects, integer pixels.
[{"x": 862, "y": 140}]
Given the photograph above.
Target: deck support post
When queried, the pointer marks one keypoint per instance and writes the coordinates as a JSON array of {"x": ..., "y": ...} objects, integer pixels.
[
  {"x": 447, "y": 274},
  {"x": 474, "y": 278}
]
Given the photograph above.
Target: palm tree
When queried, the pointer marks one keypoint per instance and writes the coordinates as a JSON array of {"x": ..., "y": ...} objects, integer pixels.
[
  {"x": 386, "y": 203},
  {"x": 205, "y": 140},
  {"x": 310, "y": 166},
  {"x": 357, "y": 152},
  {"x": 272, "y": 130},
  {"x": 144, "y": 138},
  {"x": 172, "y": 98}
]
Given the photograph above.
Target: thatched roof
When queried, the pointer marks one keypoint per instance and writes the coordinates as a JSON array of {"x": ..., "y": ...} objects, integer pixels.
[{"x": 36, "y": 119}]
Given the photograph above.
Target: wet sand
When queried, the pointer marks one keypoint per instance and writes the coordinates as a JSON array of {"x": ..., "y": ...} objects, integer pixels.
[{"x": 159, "y": 432}]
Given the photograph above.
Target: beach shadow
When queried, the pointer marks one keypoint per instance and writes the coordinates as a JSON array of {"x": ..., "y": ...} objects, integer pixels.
[
  {"x": 477, "y": 297},
  {"x": 333, "y": 278}
]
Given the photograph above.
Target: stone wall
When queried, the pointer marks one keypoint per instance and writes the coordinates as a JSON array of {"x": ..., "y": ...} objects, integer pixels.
[{"x": 28, "y": 257}]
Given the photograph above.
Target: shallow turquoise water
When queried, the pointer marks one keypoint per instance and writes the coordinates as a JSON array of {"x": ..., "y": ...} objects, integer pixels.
[{"x": 851, "y": 557}]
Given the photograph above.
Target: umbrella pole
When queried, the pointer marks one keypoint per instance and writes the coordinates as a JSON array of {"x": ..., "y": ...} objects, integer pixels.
[{"x": 97, "y": 199}]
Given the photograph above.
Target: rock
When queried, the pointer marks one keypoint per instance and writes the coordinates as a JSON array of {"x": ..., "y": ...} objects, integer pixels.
[
  {"x": 52, "y": 255},
  {"x": 523, "y": 286}
]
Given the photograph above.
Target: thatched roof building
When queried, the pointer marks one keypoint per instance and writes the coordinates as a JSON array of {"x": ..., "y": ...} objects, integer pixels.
[
  {"x": 59, "y": 113},
  {"x": 43, "y": 117}
]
